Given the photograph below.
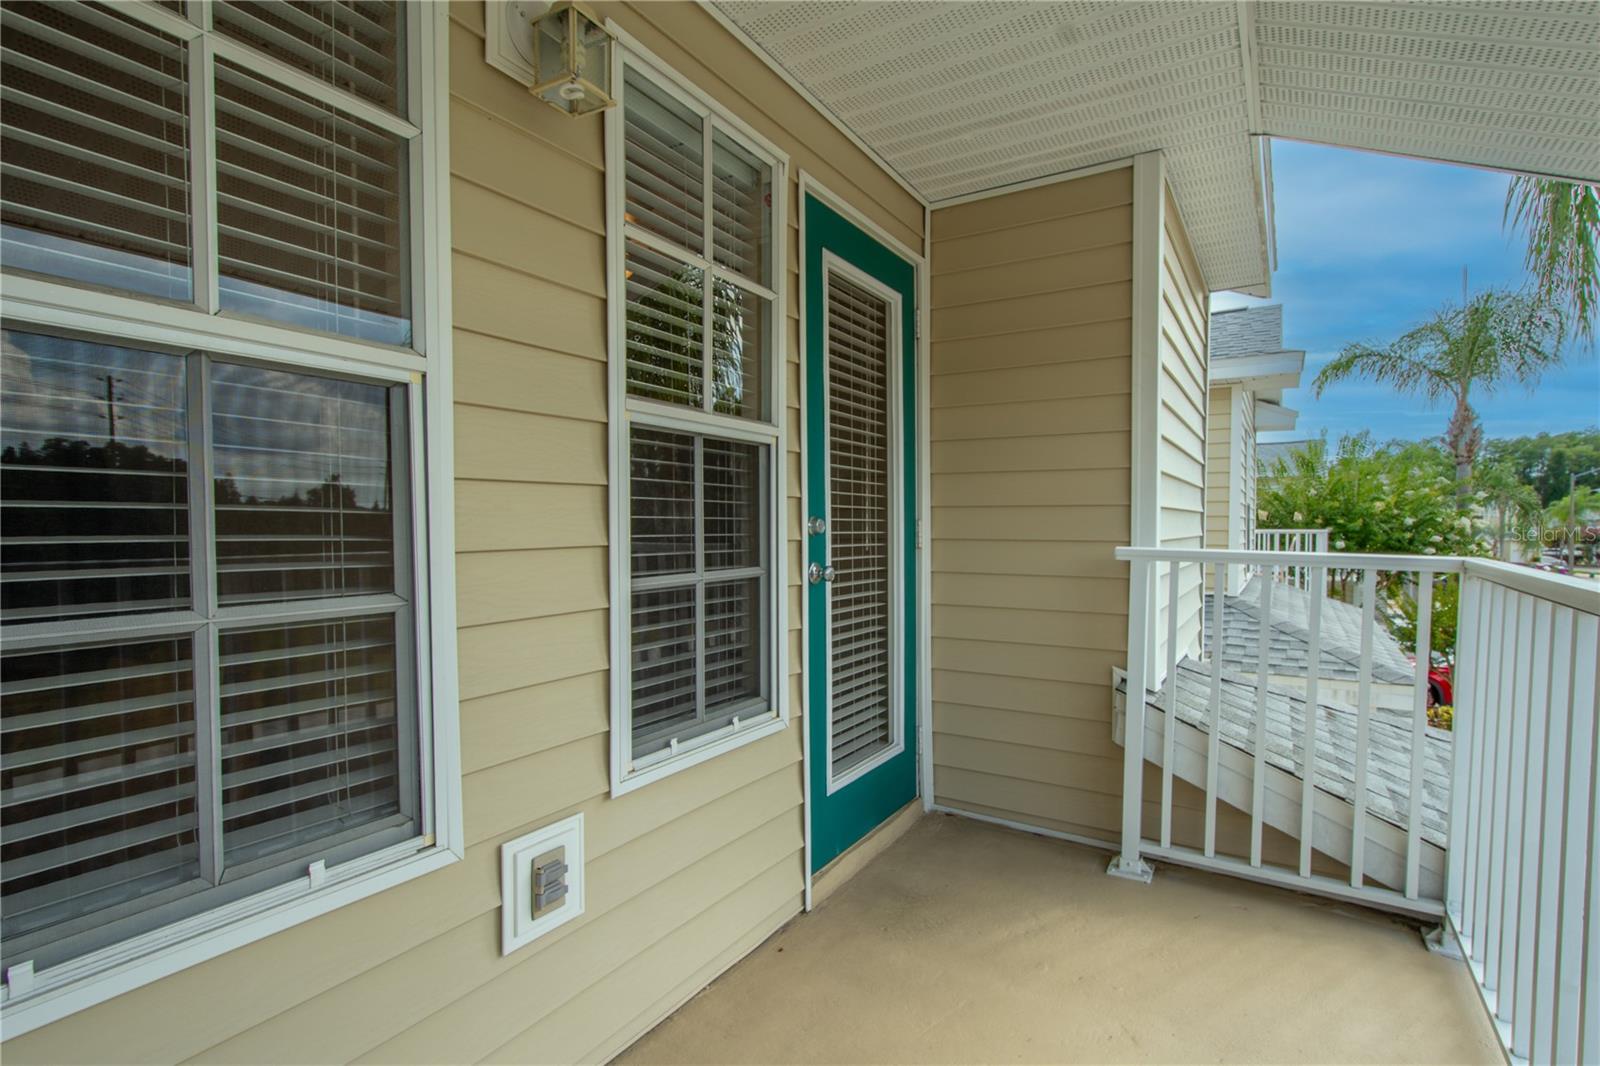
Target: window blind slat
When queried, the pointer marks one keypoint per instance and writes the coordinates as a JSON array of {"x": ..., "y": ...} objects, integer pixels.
[
  {"x": 360, "y": 51},
  {"x": 97, "y": 784},
  {"x": 330, "y": 764},
  {"x": 95, "y": 143},
  {"x": 95, "y": 443},
  {"x": 290, "y": 155},
  {"x": 304, "y": 505},
  {"x": 858, "y": 500},
  {"x": 663, "y": 330}
]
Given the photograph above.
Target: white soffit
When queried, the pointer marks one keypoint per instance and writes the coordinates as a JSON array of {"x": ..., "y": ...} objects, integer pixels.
[{"x": 965, "y": 97}]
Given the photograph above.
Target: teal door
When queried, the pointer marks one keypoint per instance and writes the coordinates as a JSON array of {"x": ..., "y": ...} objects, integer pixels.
[{"x": 861, "y": 502}]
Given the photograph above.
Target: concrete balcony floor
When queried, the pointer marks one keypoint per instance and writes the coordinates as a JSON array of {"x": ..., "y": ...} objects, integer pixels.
[{"x": 966, "y": 942}]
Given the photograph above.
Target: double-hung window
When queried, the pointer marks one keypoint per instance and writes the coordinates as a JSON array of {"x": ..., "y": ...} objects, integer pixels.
[
  {"x": 222, "y": 348},
  {"x": 695, "y": 231}
]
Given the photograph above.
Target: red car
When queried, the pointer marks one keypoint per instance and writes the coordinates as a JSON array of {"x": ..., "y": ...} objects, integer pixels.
[{"x": 1441, "y": 692}]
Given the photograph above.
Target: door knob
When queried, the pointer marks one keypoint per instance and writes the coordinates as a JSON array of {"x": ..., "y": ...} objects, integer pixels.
[{"x": 817, "y": 572}]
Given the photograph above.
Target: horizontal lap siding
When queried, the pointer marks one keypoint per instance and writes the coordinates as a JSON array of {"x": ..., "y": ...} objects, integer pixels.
[
  {"x": 1219, "y": 466},
  {"x": 1181, "y": 426},
  {"x": 1246, "y": 474},
  {"x": 1031, "y": 398},
  {"x": 684, "y": 875}
]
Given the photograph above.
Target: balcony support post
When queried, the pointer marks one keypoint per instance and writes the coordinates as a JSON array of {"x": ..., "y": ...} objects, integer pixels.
[{"x": 1128, "y": 864}]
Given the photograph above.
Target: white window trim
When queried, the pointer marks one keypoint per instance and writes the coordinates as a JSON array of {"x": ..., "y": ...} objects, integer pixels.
[
  {"x": 30, "y": 1000},
  {"x": 624, "y": 776}
]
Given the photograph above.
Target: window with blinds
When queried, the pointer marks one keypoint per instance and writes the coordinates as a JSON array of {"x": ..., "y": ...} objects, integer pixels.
[
  {"x": 698, "y": 224},
  {"x": 696, "y": 318},
  {"x": 225, "y": 513},
  {"x": 860, "y": 652},
  {"x": 94, "y": 149},
  {"x": 699, "y": 574},
  {"x": 305, "y": 158}
]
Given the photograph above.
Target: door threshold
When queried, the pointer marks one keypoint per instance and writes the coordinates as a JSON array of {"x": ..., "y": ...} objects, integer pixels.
[{"x": 828, "y": 879}]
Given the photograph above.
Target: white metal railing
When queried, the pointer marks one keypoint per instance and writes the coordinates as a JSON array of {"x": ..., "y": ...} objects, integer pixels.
[
  {"x": 1508, "y": 862},
  {"x": 1291, "y": 540}
]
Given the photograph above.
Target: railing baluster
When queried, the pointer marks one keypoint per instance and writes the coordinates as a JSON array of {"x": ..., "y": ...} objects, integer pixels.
[
  {"x": 1516, "y": 795},
  {"x": 1308, "y": 786},
  {"x": 1419, "y": 730},
  {"x": 1258, "y": 780},
  {"x": 1489, "y": 708},
  {"x": 1358, "y": 817},
  {"x": 1470, "y": 626},
  {"x": 1548, "y": 939},
  {"x": 1170, "y": 732},
  {"x": 1498, "y": 867},
  {"x": 1219, "y": 582},
  {"x": 1538, "y": 713},
  {"x": 1577, "y": 866}
]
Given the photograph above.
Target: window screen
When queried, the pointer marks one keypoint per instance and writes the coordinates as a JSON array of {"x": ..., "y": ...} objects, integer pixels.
[
  {"x": 241, "y": 720},
  {"x": 700, "y": 584}
]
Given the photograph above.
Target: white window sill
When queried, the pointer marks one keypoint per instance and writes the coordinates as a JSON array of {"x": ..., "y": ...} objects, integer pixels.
[
  {"x": 77, "y": 985},
  {"x": 707, "y": 747}
]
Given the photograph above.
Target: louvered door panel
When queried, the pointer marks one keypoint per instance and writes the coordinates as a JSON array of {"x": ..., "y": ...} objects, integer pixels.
[
  {"x": 98, "y": 793},
  {"x": 94, "y": 151},
  {"x": 861, "y": 651}
]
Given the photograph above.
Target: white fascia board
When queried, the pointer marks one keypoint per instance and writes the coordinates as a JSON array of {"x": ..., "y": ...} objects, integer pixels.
[
  {"x": 1269, "y": 370},
  {"x": 1274, "y": 417}
]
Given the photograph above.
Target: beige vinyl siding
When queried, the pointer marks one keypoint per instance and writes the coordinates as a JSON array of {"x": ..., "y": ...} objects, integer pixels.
[
  {"x": 1220, "y": 462},
  {"x": 1246, "y": 474},
  {"x": 1181, "y": 426},
  {"x": 1031, "y": 404},
  {"x": 684, "y": 875}
]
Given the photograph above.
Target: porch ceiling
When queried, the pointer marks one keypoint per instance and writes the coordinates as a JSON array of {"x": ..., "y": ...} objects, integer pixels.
[{"x": 961, "y": 98}]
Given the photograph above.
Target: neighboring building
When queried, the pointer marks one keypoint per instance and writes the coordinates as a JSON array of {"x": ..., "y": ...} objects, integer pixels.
[
  {"x": 1268, "y": 452},
  {"x": 1250, "y": 369}
]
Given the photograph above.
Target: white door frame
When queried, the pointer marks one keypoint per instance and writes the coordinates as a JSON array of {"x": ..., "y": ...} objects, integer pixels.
[{"x": 809, "y": 185}]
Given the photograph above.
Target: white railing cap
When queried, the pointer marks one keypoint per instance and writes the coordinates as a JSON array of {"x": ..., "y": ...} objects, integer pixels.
[{"x": 1445, "y": 564}]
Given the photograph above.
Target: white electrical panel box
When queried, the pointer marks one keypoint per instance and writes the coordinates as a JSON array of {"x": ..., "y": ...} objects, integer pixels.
[{"x": 541, "y": 882}]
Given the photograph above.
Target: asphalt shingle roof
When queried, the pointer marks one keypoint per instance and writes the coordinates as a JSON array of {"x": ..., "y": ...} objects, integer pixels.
[
  {"x": 1289, "y": 641},
  {"x": 1246, "y": 331},
  {"x": 1389, "y": 745}
]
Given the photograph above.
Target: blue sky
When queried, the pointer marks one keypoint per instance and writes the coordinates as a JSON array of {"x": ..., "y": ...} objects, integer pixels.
[{"x": 1370, "y": 245}]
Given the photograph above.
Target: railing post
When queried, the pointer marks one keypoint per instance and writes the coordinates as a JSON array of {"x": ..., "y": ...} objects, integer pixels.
[{"x": 1128, "y": 863}]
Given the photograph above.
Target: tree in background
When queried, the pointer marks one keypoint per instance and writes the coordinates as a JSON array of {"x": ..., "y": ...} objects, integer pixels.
[
  {"x": 1571, "y": 517},
  {"x": 1497, "y": 338},
  {"x": 1561, "y": 220},
  {"x": 1544, "y": 461},
  {"x": 1395, "y": 499},
  {"x": 1510, "y": 501}
]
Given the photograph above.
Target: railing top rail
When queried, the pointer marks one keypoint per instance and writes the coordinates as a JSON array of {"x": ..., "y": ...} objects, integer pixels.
[
  {"x": 1264, "y": 531},
  {"x": 1438, "y": 564},
  {"x": 1574, "y": 592}
]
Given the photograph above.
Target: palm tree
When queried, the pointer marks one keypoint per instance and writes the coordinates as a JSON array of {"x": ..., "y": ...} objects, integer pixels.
[
  {"x": 1497, "y": 337},
  {"x": 1508, "y": 498},
  {"x": 1561, "y": 220}
]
